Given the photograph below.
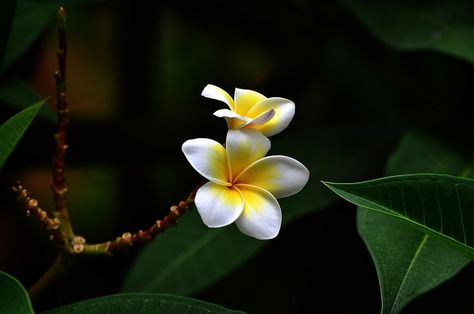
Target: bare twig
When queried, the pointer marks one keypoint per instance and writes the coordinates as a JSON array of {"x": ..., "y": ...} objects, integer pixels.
[
  {"x": 32, "y": 209},
  {"x": 59, "y": 227},
  {"x": 129, "y": 240},
  {"x": 58, "y": 185}
]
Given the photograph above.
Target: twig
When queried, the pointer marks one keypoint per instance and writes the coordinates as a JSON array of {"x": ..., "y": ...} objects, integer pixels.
[
  {"x": 129, "y": 240},
  {"x": 59, "y": 227},
  {"x": 58, "y": 185},
  {"x": 32, "y": 209},
  {"x": 78, "y": 246}
]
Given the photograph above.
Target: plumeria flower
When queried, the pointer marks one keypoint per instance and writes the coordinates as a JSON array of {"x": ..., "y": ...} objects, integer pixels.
[
  {"x": 243, "y": 184},
  {"x": 250, "y": 109}
]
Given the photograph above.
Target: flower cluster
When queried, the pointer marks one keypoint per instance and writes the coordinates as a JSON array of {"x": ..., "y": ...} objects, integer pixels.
[{"x": 244, "y": 183}]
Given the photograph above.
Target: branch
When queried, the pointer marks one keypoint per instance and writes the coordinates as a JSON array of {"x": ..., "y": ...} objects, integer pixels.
[
  {"x": 77, "y": 245},
  {"x": 129, "y": 240},
  {"x": 59, "y": 226},
  {"x": 32, "y": 209},
  {"x": 58, "y": 185}
]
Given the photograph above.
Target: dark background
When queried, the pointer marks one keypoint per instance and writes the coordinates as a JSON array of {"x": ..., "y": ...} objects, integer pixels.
[{"x": 136, "y": 71}]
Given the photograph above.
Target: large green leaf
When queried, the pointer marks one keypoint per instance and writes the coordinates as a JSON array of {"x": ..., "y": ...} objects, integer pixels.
[
  {"x": 446, "y": 26},
  {"x": 7, "y": 9},
  {"x": 141, "y": 303},
  {"x": 13, "y": 129},
  {"x": 441, "y": 205},
  {"x": 410, "y": 262},
  {"x": 13, "y": 297},
  {"x": 418, "y": 153},
  {"x": 30, "y": 20},
  {"x": 191, "y": 257}
]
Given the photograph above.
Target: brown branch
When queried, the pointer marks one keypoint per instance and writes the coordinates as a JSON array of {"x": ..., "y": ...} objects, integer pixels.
[
  {"x": 58, "y": 185},
  {"x": 59, "y": 227},
  {"x": 129, "y": 240},
  {"x": 32, "y": 209},
  {"x": 78, "y": 247}
]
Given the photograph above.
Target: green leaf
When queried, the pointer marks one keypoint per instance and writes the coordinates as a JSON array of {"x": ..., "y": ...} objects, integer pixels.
[
  {"x": 13, "y": 297},
  {"x": 439, "y": 204},
  {"x": 420, "y": 153},
  {"x": 141, "y": 303},
  {"x": 191, "y": 257},
  {"x": 408, "y": 261},
  {"x": 445, "y": 26},
  {"x": 17, "y": 93},
  {"x": 30, "y": 20},
  {"x": 13, "y": 129},
  {"x": 7, "y": 9}
]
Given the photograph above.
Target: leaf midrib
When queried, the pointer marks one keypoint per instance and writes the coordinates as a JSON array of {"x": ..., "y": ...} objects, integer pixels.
[
  {"x": 395, "y": 214},
  {"x": 463, "y": 173},
  {"x": 402, "y": 284}
]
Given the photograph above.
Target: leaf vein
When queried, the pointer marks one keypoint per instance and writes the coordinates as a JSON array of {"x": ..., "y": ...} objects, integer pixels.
[
  {"x": 460, "y": 214},
  {"x": 402, "y": 284}
]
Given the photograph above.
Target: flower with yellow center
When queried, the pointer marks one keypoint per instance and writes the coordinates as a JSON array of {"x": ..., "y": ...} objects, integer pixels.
[
  {"x": 243, "y": 184},
  {"x": 252, "y": 110}
]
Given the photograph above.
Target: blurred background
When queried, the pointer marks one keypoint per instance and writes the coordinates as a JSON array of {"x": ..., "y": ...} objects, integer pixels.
[{"x": 136, "y": 71}]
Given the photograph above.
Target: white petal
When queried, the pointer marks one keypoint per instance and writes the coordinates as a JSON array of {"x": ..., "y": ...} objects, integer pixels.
[
  {"x": 284, "y": 112},
  {"x": 209, "y": 158},
  {"x": 227, "y": 113},
  {"x": 280, "y": 175},
  {"x": 234, "y": 120},
  {"x": 261, "y": 217},
  {"x": 218, "y": 205},
  {"x": 217, "y": 93},
  {"x": 245, "y": 146},
  {"x": 261, "y": 119},
  {"x": 244, "y": 99}
]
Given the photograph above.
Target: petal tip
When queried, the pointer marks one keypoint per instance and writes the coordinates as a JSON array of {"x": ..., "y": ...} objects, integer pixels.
[{"x": 206, "y": 89}]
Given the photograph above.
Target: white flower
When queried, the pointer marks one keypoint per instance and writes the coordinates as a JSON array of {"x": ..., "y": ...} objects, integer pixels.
[
  {"x": 250, "y": 109},
  {"x": 243, "y": 184}
]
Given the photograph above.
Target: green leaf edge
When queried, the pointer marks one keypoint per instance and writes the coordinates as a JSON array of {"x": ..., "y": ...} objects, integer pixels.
[
  {"x": 333, "y": 186},
  {"x": 403, "y": 47},
  {"x": 25, "y": 293},
  {"x": 170, "y": 297},
  {"x": 202, "y": 242},
  {"x": 16, "y": 85},
  {"x": 35, "y": 108}
]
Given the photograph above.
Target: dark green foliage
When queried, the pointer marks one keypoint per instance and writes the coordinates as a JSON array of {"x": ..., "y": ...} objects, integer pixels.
[
  {"x": 13, "y": 297},
  {"x": 13, "y": 129}
]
